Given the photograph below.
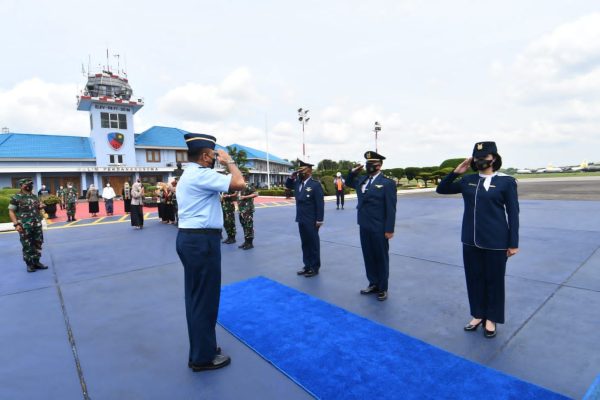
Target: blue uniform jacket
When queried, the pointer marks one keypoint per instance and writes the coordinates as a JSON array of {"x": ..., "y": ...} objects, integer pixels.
[
  {"x": 377, "y": 206},
  {"x": 310, "y": 202},
  {"x": 491, "y": 218}
]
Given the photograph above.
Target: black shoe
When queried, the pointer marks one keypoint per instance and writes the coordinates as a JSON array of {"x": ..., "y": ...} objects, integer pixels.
[
  {"x": 469, "y": 327},
  {"x": 248, "y": 246},
  {"x": 219, "y": 361},
  {"x": 489, "y": 334},
  {"x": 381, "y": 296},
  {"x": 302, "y": 271},
  {"x": 370, "y": 290},
  {"x": 241, "y": 246},
  {"x": 310, "y": 273},
  {"x": 73, "y": 220},
  {"x": 39, "y": 265},
  {"x": 229, "y": 240},
  {"x": 190, "y": 361},
  {"x": 337, "y": 208},
  {"x": 31, "y": 268}
]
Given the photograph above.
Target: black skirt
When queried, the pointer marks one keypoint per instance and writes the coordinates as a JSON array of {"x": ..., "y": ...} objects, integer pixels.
[
  {"x": 127, "y": 205},
  {"x": 137, "y": 215},
  {"x": 93, "y": 207}
]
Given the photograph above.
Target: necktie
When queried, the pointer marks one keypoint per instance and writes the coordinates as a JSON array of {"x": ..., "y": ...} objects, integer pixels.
[{"x": 368, "y": 183}]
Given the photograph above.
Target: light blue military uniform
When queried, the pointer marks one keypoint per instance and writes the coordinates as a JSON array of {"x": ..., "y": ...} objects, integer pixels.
[{"x": 199, "y": 248}]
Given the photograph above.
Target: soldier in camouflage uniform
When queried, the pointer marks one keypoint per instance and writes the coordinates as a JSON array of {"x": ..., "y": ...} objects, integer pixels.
[
  {"x": 228, "y": 205},
  {"x": 24, "y": 210},
  {"x": 60, "y": 193},
  {"x": 246, "y": 209},
  {"x": 71, "y": 197}
]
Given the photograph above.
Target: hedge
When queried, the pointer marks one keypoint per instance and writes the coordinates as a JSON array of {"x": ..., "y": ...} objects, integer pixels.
[
  {"x": 4, "y": 200},
  {"x": 271, "y": 192}
]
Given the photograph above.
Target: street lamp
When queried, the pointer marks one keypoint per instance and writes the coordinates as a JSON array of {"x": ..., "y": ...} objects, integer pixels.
[
  {"x": 376, "y": 130},
  {"x": 303, "y": 120}
]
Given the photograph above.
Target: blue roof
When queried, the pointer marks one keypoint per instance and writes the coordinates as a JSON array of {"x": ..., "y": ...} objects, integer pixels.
[
  {"x": 259, "y": 154},
  {"x": 163, "y": 136},
  {"x": 27, "y": 145}
]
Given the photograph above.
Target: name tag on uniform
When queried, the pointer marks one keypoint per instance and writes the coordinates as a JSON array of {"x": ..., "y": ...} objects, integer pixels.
[
  {"x": 378, "y": 186},
  {"x": 492, "y": 185},
  {"x": 472, "y": 184}
]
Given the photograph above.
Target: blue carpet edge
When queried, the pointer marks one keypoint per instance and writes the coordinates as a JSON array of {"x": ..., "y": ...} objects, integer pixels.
[
  {"x": 257, "y": 352},
  {"x": 595, "y": 385},
  {"x": 593, "y": 392}
]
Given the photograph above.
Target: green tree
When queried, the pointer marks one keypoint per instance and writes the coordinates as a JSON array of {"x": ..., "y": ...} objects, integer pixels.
[
  {"x": 239, "y": 156},
  {"x": 425, "y": 176},
  {"x": 411, "y": 172},
  {"x": 451, "y": 162}
]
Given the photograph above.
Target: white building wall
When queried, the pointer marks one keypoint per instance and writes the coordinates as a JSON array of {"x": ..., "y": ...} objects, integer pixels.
[{"x": 99, "y": 135}]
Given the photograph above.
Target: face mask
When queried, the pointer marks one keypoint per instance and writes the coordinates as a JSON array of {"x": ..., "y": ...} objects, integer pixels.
[
  {"x": 301, "y": 175},
  {"x": 70, "y": 187},
  {"x": 29, "y": 187},
  {"x": 108, "y": 185},
  {"x": 371, "y": 168},
  {"x": 483, "y": 164}
]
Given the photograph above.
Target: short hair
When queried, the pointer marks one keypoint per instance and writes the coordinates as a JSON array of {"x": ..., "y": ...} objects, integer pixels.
[
  {"x": 194, "y": 155},
  {"x": 496, "y": 165}
]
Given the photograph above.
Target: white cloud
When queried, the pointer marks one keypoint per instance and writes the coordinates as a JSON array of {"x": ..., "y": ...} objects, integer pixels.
[
  {"x": 197, "y": 102},
  {"x": 561, "y": 65},
  {"x": 35, "y": 106}
]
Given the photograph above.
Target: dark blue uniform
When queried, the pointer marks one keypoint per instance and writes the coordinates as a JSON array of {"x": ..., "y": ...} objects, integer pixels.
[
  {"x": 310, "y": 209},
  {"x": 490, "y": 226},
  {"x": 376, "y": 215}
]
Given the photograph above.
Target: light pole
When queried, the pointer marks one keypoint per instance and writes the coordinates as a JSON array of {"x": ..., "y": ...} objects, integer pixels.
[
  {"x": 303, "y": 120},
  {"x": 376, "y": 130}
]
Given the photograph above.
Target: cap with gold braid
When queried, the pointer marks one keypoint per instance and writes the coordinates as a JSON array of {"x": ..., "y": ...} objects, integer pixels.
[
  {"x": 373, "y": 156},
  {"x": 197, "y": 141}
]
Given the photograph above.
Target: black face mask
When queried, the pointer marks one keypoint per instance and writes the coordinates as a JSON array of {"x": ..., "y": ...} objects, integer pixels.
[
  {"x": 481, "y": 165},
  {"x": 301, "y": 175},
  {"x": 29, "y": 187},
  {"x": 370, "y": 167}
]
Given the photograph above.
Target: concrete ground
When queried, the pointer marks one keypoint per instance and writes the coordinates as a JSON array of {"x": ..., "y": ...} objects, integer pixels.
[{"x": 107, "y": 320}]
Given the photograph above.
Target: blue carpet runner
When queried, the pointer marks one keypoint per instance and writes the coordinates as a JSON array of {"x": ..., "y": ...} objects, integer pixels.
[{"x": 334, "y": 354}]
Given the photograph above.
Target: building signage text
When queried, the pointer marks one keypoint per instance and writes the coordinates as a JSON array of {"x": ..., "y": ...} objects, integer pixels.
[
  {"x": 117, "y": 169},
  {"x": 113, "y": 108}
]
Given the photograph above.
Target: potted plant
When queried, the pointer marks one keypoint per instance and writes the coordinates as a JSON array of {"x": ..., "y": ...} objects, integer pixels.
[{"x": 50, "y": 203}]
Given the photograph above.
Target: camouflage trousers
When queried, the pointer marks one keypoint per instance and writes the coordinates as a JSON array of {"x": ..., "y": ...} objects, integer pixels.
[
  {"x": 71, "y": 209},
  {"x": 31, "y": 240},
  {"x": 229, "y": 219},
  {"x": 247, "y": 221}
]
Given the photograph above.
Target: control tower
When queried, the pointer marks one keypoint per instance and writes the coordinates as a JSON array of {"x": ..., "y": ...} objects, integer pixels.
[{"x": 108, "y": 99}]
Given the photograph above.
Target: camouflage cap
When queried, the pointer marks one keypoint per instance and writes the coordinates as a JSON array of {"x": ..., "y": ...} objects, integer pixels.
[{"x": 24, "y": 181}]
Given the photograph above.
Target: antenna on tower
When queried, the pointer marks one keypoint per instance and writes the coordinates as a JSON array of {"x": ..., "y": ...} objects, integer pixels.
[
  {"x": 107, "y": 61},
  {"x": 118, "y": 56}
]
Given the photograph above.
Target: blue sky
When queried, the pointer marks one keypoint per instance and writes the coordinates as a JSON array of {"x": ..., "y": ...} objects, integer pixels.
[{"x": 438, "y": 75}]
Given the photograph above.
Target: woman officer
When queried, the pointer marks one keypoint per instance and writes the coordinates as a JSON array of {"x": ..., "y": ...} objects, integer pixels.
[{"x": 490, "y": 232}]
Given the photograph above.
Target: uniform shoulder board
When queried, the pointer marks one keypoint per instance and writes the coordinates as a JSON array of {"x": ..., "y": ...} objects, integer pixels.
[{"x": 508, "y": 176}]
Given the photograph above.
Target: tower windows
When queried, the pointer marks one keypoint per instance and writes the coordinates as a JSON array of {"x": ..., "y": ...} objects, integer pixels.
[
  {"x": 116, "y": 158},
  {"x": 113, "y": 121}
]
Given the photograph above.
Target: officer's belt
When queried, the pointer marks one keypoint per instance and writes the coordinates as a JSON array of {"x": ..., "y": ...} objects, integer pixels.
[{"x": 206, "y": 231}]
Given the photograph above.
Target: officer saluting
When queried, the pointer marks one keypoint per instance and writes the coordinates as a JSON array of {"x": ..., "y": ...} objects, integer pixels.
[
  {"x": 376, "y": 217},
  {"x": 198, "y": 244},
  {"x": 24, "y": 210},
  {"x": 490, "y": 232},
  {"x": 310, "y": 210}
]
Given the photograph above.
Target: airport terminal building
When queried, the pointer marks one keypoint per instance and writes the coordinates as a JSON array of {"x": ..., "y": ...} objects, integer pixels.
[{"x": 112, "y": 152}]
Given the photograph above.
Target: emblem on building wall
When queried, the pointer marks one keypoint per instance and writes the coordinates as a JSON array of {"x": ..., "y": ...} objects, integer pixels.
[{"x": 115, "y": 139}]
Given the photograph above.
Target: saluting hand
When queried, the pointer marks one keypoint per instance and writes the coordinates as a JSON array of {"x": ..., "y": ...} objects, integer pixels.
[
  {"x": 511, "y": 252},
  {"x": 223, "y": 156},
  {"x": 464, "y": 166},
  {"x": 357, "y": 169}
]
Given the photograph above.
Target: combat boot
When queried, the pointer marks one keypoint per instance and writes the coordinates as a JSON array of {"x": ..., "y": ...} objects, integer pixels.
[
  {"x": 229, "y": 240},
  {"x": 248, "y": 244},
  {"x": 39, "y": 265},
  {"x": 243, "y": 245},
  {"x": 31, "y": 268}
]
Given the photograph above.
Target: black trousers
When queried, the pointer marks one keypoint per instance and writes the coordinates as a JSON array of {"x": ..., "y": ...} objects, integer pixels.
[
  {"x": 200, "y": 254},
  {"x": 484, "y": 272},
  {"x": 311, "y": 246},
  {"x": 375, "y": 249},
  {"x": 339, "y": 196}
]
